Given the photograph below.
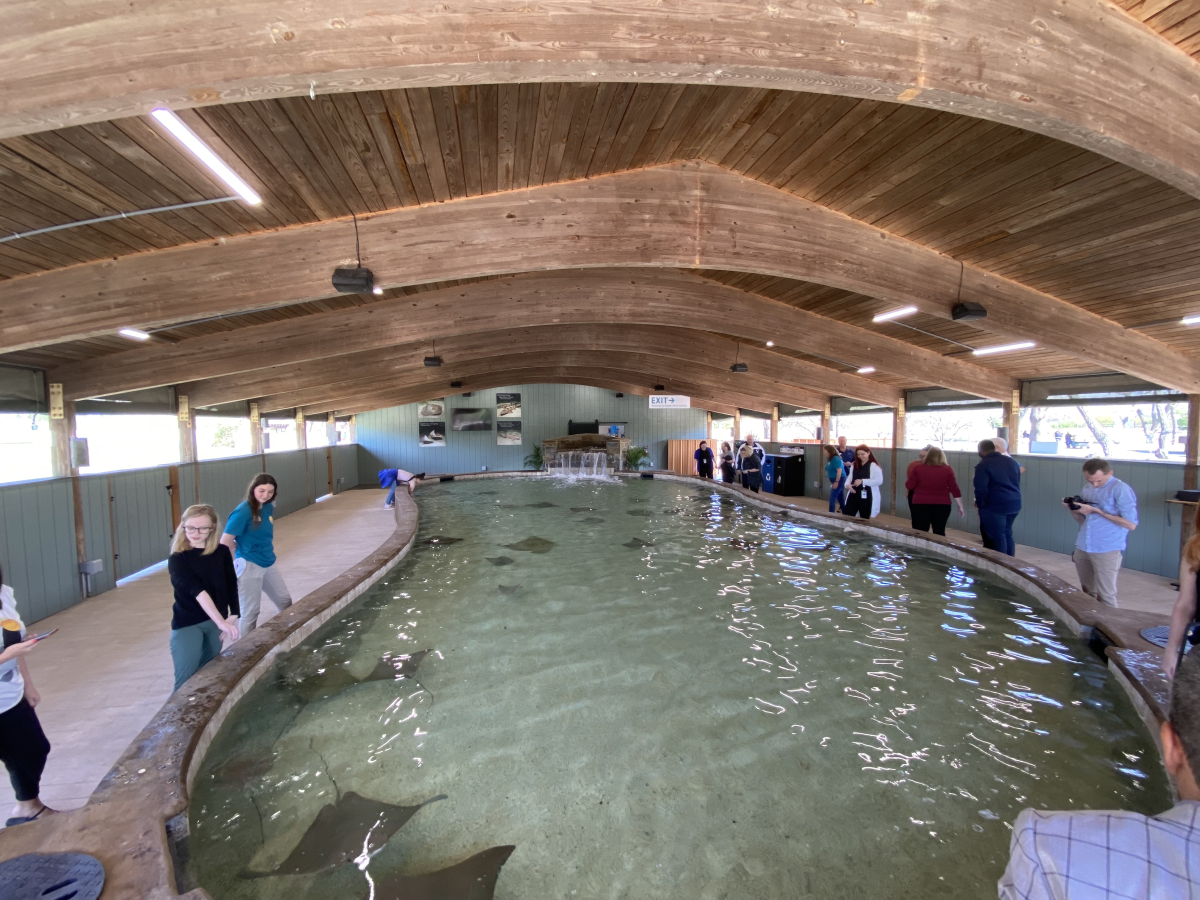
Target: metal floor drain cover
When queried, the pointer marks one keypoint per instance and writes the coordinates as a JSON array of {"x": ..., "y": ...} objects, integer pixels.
[
  {"x": 1159, "y": 634},
  {"x": 51, "y": 876}
]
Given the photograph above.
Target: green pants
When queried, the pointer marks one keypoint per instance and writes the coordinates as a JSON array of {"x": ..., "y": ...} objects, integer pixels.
[{"x": 192, "y": 647}]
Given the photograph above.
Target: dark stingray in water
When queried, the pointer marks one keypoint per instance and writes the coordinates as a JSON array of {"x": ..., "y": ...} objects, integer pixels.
[
  {"x": 637, "y": 544},
  {"x": 471, "y": 879},
  {"x": 638, "y": 512},
  {"x": 440, "y": 540},
  {"x": 500, "y": 560},
  {"x": 542, "y": 505},
  {"x": 532, "y": 545},
  {"x": 592, "y": 520},
  {"x": 743, "y": 544},
  {"x": 336, "y": 678},
  {"x": 582, "y": 509},
  {"x": 243, "y": 771},
  {"x": 509, "y": 588},
  {"x": 340, "y": 831}
]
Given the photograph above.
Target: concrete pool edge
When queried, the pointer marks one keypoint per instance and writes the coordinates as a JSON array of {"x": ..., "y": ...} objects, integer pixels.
[{"x": 132, "y": 821}]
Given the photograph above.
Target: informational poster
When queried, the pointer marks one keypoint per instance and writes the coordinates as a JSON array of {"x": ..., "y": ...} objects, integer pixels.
[
  {"x": 508, "y": 406},
  {"x": 432, "y": 409},
  {"x": 670, "y": 401},
  {"x": 470, "y": 419},
  {"x": 508, "y": 434},
  {"x": 431, "y": 434}
]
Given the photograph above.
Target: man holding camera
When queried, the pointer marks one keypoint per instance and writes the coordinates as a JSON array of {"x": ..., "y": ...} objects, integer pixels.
[{"x": 1106, "y": 511}]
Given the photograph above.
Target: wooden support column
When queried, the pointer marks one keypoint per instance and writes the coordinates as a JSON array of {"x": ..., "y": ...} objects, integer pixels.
[
  {"x": 301, "y": 432},
  {"x": 331, "y": 430},
  {"x": 1191, "y": 461},
  {"x": 708, "y": 427},
  {"x": 737, "y": 424},
  {"x": 827, "y": 424},
  {"x": 1013, "y": 420},
  {"x": 256, "y": 441},
  {"x": 187, "y": 430},
  {"x": 775, "y": 422},
  {"x": 897, "y": 443},
  {"x": 62, "y": 465},
  {"x": 354, "y": 429}
]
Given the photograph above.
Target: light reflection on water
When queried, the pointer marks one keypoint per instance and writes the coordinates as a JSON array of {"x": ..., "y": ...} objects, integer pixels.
[{"x": 695, "y": 701}]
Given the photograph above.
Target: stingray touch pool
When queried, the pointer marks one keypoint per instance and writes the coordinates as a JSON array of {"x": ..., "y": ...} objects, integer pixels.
[{"x": 646, "y": 690}]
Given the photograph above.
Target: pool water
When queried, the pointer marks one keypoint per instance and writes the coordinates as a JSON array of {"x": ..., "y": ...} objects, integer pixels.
[{"x": 670, "y": 695}]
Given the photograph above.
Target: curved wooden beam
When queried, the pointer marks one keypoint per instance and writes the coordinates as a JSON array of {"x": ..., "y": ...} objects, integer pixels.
[
  {"x": 682, "y": 215},
  {"x": 673, "y": 346},
  {"x": 746, "y": 389},
  {"x": 662, "y": 297},
  {"x": 1076, "y": 70}
]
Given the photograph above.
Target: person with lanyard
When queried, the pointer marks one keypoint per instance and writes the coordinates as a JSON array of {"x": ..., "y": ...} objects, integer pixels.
[
  {"x": 1106, "y": 516},
  {"x": 250, "y": 533},
  {"x": 865, "y": 480},
  {"x": 392, "y": 478},
  {"x": 206, "y": 592},
  {"x": 750, "y": 457},
  {"x": 23, "y": 745},
  {"x": 835, "y": 473},
  {"x": 704, "y": 460},
  {"x": 1185, "y": 616}
]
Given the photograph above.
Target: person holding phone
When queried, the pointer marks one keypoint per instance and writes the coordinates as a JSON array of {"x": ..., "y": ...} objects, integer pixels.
[
  {"x": 23, "y": 745},
  {"x": 250, "y": 533},
  {"x": 206, "y": 592}
]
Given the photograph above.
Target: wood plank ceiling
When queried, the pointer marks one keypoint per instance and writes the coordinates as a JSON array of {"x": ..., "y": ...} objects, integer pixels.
[
  {"x": 1176, "y": 20},
  {"x": 1066, "y": 221}
]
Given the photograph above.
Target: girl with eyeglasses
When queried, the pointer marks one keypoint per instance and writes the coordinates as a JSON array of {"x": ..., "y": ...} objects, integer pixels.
[{"x": 206, "y": 592}]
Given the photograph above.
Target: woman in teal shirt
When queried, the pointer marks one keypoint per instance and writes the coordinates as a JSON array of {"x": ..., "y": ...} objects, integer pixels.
[
  {"x": 835, "y": 471},
  {"x": 250, "y": 534}
]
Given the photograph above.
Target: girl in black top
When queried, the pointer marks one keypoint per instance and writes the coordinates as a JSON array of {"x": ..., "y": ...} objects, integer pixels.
[{"x": 206, "y": 593}]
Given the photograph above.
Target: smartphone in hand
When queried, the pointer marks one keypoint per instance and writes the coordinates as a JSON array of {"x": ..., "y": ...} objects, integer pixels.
[{"x": 43, "y": 635}]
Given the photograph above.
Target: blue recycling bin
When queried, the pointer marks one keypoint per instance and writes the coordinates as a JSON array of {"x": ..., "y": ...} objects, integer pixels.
[{"x": 768, "y": 474}]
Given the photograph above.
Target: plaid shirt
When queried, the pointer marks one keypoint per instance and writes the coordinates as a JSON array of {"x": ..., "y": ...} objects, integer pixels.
[{"x": 1105, "y": 856}]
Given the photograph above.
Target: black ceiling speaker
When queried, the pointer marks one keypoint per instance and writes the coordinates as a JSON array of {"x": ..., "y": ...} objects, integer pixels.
[
  {"x": 466, "y": 393},
  {"x": 433, "y": 361},
  {"x": 739, "y": 367},
  {"x": 968, "y": 312},
  {"x": 660, "y": 387},
  {"x": 353, "y": 281},
  {"x": 456, "y": 384},
  {"x": 619, "y": 394}
]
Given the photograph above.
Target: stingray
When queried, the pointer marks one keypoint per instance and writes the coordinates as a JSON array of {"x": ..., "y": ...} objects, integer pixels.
[
  {"x": 583, "y": 509},
  {"x": 337, "y": 678},
  {"x": 638, "y": 512},
  {"x": 509, "y": 588},
  {"x": 471, "y": 879},
  {"x": 592, "y": 520},
  {"x": 532, "y": 545},
  {"x": 743, "y": 544},
  {"x": 674, "y": 512},
  {"x": 500, "y": 560},
  {"x": 440, "y": 540},
  {"x": 637, "y": 544},
  {"x": 542, "y": 505},
  {"x": 340, "y": 831},
  {"x": 242, "y": 771}
]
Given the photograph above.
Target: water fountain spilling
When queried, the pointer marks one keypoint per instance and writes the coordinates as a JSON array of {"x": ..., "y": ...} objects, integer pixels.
[{"x": 580, "y": 464}]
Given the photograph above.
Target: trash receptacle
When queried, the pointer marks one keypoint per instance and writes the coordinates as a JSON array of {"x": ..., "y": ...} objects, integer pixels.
[
  {"x": 768, "y": 474},
  {"x": 788, "y": 473}
]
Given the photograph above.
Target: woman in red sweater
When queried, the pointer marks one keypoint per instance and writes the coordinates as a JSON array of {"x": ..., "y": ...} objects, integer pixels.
[{"x": 933, "y": 485}]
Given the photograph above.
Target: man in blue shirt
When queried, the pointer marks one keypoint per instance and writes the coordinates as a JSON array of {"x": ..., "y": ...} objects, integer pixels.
[
  {"x": 998, "y": 497},
  {"x": 1105, "y": 520}
]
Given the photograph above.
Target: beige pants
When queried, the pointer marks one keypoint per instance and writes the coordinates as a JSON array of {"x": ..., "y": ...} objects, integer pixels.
[{"x": 1098, "y": 573}]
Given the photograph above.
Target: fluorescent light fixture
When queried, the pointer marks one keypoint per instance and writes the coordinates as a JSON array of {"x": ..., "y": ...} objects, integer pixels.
[
  {"x": 895, "y": 314},
  {"x": 1190, "y": 320},
  {"x": 204, "y": 153},
  {"x": 1005, "y": 348},
  {"x": 866, "y": 370},
  {"x": 770, "y": 343},
  {"x": 134, "y": 334}
]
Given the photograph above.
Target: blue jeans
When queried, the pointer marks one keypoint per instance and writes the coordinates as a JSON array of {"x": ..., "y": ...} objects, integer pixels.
[
  {"x": 999, "y": 530},
  {"x": 392, "y": 493},
  {"x": 193, "y": 647},
  {"x": 835, "y": 495}
]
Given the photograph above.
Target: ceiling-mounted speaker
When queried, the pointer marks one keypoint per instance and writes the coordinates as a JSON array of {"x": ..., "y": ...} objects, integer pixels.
[
  {"x": 739, "y": 367},
  {"x": 619, "y": 394},
  {"x": 353, "y": 281},
  {"x": 456, "y": 384},
  {"x": 433, "y": 361},
  {"x": 967, "y": 312},
  {"x": 660, "y": 387}
]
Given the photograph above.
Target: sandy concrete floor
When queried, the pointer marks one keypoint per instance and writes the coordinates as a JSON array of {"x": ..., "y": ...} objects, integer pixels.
[
  {"x": 108, "y": 670},
  {"x": 1138, "y": 590}
]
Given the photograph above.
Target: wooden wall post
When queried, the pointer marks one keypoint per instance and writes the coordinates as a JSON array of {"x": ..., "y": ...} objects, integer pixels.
[
  {"x": 708, "y": 427},
  {"x": 1013, "y": 420},
  {"x": 301, "y": 432},
  {"x": 897, "y": 443},
  {"x": 330, "y": 430},
  {"x": 187, "y": 431},
  {"x": 62, "y": 434},
  {"x": 737, "y": 424},
  {"x": 775, "y": 422},
  {"x": 827, "y": 424},
  {"x": 256, "y": 441},
  {"x": 354, "y": 429},
  {"x": 1191, "y": 461}
]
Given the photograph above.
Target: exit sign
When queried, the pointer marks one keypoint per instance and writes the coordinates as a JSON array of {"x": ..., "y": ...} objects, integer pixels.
[{"x": 670, "y": 401}]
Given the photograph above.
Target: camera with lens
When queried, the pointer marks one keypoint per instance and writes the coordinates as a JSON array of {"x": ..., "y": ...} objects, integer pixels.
[{"x": 1074, "y": 502}]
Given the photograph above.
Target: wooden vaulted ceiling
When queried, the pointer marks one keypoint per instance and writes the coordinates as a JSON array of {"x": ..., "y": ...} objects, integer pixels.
[{"x": 1065, "y": 221}]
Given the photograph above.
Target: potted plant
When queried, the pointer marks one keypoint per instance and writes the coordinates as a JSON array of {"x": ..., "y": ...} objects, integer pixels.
[
  {"x": 636, "y": 457},
  {"x": 534, "y": 460}
]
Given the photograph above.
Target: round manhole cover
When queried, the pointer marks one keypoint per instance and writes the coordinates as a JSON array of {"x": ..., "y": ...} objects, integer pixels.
[{"x": 51, "y": 876}]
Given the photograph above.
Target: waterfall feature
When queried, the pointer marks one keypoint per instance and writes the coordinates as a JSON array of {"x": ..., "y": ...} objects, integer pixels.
[{"x": 580, "y": 464}]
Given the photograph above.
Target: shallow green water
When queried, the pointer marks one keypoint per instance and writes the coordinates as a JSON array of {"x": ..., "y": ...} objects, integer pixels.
[{"x": 750, "y": 707}]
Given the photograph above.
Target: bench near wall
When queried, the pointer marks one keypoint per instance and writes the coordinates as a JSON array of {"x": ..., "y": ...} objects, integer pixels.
[{"x": 128, "y": 520}]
